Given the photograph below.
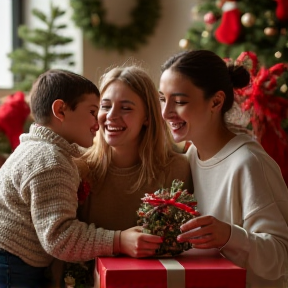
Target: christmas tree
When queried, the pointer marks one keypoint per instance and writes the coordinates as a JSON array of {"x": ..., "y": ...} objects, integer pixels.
[
  {"x": 231, "y": 27},
  {"x": 254, "y": 34},
  {"x": 39, "y": 49}
]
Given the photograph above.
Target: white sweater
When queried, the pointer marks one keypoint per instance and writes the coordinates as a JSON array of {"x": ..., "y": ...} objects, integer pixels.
[
  {"x": 38, "y": 203},
  {"x": 242, "y": 185}
]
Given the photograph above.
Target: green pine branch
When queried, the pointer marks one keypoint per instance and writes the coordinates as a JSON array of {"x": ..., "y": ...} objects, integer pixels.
[{"x": 39, "y": 53}]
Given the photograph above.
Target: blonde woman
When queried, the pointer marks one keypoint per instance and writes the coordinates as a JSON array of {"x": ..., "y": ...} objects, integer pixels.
[{"x": 131, "y": 156}]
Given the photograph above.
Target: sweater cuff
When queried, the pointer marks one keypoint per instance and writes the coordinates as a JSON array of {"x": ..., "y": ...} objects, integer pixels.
[
  {"x": 237, "y": 247},
  {"x": 117, "y": 243}
]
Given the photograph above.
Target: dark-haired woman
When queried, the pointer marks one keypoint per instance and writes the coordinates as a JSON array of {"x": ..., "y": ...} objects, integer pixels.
[{"x": 241, "y": 194}]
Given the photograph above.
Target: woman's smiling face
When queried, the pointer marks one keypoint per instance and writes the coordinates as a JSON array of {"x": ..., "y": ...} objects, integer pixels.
[
  {"x": 183, "y": 106},
  {"x": 121, "y": 116}
]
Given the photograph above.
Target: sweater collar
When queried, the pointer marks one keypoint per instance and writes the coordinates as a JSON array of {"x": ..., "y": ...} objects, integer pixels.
[
  {"x": 124, "y": 171},
  {"x": 37, "y": 132},
  {"x": 234, "y": 144}
]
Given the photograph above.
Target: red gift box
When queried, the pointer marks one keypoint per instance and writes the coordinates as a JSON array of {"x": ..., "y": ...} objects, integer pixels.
[{"x": 193, "y": 269}]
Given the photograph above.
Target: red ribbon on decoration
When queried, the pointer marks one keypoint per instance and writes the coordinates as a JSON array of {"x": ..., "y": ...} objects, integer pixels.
[
  {"x": 267, "y": 109},
  {"x": 156, "y": 201}
]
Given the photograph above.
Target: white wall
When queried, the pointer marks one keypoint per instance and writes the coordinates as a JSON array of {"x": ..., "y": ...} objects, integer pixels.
[{"x": 172, "y": 26}]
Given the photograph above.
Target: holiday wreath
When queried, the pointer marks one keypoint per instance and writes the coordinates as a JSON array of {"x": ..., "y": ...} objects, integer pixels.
[
  {"x": 163, "y": 212},
  {"x": 90, "y": 16}
]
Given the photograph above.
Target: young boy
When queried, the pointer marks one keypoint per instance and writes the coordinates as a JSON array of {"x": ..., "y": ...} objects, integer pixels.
[{"x": 39, "y": 182}]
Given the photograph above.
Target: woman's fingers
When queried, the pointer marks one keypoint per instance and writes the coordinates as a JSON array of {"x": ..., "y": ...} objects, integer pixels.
[
  {"x": 197, "y": 222},
  {"x": 205, "y": 232}
]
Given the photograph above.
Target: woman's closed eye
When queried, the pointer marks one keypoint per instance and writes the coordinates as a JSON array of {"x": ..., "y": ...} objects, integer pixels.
[
  {"x": 181, "y": 102},
  {"x": 177, "y": 101},
  {"x": 162, "y": 99},
  {"x": 105, "y": 107}
]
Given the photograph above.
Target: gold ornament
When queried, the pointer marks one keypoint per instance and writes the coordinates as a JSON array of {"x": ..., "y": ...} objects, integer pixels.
[
  {"x": 248, "y": 19},
  {"x": 270, "y": 31},
  {"x": 284, "y": 88},
  {"x": 205, "y": 34},
  {"x": 183, "y": 43},
  {"x": 278, "y": 54}
]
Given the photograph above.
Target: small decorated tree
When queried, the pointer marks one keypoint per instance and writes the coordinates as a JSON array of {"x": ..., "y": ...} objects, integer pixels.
[
  {"x": 230, "y": 27},
  {"x": 39, "y": 49}
]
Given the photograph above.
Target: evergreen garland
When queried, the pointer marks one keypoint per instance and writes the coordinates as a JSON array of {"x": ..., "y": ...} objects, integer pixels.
[{"x": 90, "y": 16}]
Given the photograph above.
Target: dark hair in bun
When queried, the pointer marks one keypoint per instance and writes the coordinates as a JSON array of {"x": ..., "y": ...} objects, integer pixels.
[{"x": 210, "y": 73}]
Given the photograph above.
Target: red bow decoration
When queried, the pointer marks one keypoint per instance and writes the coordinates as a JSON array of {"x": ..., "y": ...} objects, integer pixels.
[
  {"x": 83, "y": 191},
  {"x": 163, "y": 212},
  {"x": 267, "y": 110},
  {"x": 157, "y": 201},
  {"x": 13, "y": 114}
]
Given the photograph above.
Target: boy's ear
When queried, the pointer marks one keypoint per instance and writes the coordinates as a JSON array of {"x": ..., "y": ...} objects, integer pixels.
[
  {"x": 58, "y": 109},
  {"x": 218, "y": 101}
]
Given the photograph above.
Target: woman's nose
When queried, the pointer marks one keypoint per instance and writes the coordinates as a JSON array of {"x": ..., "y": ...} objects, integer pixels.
[
  {"x": 166, "y": 110},
  {"x": 112, "y": 114}
]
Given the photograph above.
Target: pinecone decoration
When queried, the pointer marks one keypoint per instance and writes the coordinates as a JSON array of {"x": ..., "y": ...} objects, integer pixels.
[
  {"x": 163, "y": 212},
  {"x": 79, "y": 275}
]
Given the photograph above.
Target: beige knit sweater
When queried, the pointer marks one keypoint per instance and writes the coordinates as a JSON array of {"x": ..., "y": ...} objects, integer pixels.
[{"x": 38, "y": 203}]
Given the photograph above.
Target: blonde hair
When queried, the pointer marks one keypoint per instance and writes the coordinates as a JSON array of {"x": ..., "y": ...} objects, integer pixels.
[{"x": 155, "y": 147}]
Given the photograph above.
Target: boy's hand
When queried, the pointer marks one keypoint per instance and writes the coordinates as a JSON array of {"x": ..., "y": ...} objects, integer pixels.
[{"x": 137, "y": 244}]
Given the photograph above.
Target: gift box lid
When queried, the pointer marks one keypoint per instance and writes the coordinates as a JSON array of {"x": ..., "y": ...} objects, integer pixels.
[{"x": 193, "y": 269}]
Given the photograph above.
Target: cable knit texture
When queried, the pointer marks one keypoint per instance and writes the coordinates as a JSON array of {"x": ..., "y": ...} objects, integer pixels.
[{"x": 38, "y": 203}]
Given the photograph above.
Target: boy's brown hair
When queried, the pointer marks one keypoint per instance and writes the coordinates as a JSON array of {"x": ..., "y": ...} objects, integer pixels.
[{"x": 58, "y": 84}]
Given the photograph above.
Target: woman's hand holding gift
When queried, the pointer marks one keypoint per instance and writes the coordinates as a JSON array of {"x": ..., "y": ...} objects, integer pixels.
[{"x": 205, "y": 232}]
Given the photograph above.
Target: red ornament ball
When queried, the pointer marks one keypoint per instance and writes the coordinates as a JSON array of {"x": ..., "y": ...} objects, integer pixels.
[{"x": 210, "y": 18}]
